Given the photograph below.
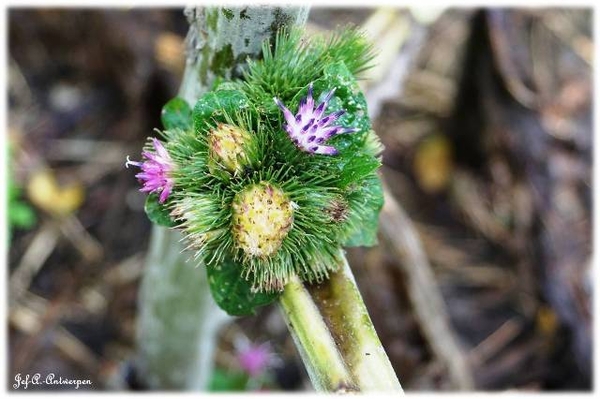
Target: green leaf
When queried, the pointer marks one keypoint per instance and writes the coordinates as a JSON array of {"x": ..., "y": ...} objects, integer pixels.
[
  {"x": 21, "y": 215},
  {"x": 223, "y": 381},
  {"x": 370, "y": 198},
  {"x": 157, "y": 213},
  {"x": 220, "y": 84},
  {"x": 176, "y": 114},
  {"x": 14, "y": 191},
  {"x": 349, "y": 97},
  {"x": 232, "y": 292},
  {"x": 215, "y": 105},
  {"x": 359, "y": 150}
]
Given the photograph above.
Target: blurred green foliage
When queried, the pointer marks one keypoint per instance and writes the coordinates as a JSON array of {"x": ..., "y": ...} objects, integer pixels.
[{"x": 20, "y": 214}]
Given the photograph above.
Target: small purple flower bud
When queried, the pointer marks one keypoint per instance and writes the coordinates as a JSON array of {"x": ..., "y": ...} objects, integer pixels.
[
  {"x": 156, "y": 170},
  {"x": 311, "y": 119}
]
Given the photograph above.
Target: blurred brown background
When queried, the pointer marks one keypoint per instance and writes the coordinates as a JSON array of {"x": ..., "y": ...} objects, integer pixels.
[{"x": 486, "y": 119}]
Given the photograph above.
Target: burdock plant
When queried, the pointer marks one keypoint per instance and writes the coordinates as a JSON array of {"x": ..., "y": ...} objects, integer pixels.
[{"x": 268, "y": 177}]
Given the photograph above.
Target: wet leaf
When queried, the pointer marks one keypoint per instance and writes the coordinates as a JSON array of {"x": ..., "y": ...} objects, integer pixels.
[
  {"x": 213, "y": 106},
  {"x": 350, "y": 98},
  {"x": 371, "y": 194},
  {"x": 176, "y": 114},
  {"x": 157, "y": 212},
  {"x": 233, "y": 293}
]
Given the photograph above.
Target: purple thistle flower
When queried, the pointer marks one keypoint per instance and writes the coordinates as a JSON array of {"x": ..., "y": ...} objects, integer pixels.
[
  {"x": 155, "y": 171},
  {"x": 310, "y": 128},
  {"x": 254, "y": 359}
]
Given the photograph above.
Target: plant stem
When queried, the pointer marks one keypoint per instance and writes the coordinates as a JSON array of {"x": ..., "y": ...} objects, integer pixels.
[
  {"x": 320, "y": 355},
  {"x": 221, "y": 39},
  {"x": 335, "y": 336},
  {"x": 178, "y": 320}
]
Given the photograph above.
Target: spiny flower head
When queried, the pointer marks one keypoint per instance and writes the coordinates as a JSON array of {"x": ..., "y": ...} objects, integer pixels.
[
  {"x": 228, "y": 147},
  {"x": 262, "y": 217},
  {"x": 310, "y": 128},
  {"x": 256, "y": 205},
  {"x": 156, "y": 171}
]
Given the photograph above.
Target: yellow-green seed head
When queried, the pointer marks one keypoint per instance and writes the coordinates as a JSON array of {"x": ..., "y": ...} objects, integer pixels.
[
  {"x": 262, "y": 217},
  {"x": 228, "y": 146}
]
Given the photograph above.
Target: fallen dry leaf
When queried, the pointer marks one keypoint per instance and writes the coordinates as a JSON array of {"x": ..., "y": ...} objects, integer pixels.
[
  {"x": 44, "y": 192},
  {"x": 432, "y": 164}
]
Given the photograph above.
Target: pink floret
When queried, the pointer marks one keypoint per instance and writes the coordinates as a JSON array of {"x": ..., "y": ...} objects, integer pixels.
[
  {"x": 255, "y": 359},
  {"x": 310, "y": 128},
  {"x": 156, "y": 171}
]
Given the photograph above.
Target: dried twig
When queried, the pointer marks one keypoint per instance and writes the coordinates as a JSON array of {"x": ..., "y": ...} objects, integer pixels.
[
  {"x": 30, "y": 320},
  {"x": 495, "y": 342},
  {"x": 401, "y": 237},
  {"x": 82, "y": 240},
  {"x": 34, "y": 257}
]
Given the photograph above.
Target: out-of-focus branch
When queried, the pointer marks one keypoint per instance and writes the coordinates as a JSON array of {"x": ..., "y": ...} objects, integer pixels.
[{"x": 400, "y": 236}]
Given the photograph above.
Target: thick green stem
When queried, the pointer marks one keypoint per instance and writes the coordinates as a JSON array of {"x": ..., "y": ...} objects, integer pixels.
[
  {"x": 178, "y": 320},
  {"x": 335, "y": 336},
  {"x": 318, "y": 350}
]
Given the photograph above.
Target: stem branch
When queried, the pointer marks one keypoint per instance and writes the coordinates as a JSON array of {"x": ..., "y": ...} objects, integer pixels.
[{"x": 335, "y": 336}]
